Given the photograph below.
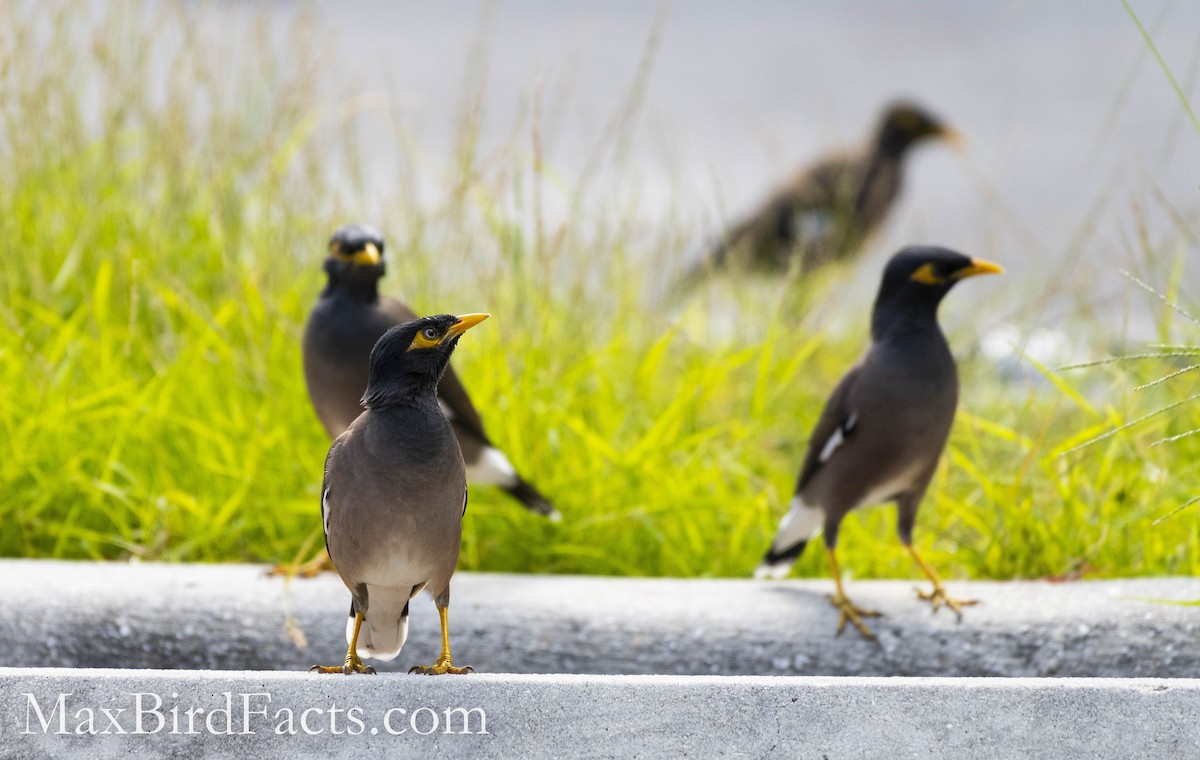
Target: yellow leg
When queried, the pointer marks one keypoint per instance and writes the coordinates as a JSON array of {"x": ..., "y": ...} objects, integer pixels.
[
  {"x": 938, "y": 596},
  {"x": 311, "y": 569},
  {"x": 844, "y": 606},
  {"x": 443, "y": 664},
  {"x": 353, "y": 663}
]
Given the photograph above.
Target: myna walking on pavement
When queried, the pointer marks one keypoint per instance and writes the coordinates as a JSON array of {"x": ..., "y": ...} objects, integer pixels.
[
  {"x": 827, "y": 212},
  {"x": 349, "y": 317},
  {"x": 883, "y": 429},
  {"x": 394, "y": 494}
]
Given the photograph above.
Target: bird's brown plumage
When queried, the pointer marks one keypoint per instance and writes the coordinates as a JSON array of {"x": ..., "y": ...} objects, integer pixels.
[{"x": 827, "y": 211}]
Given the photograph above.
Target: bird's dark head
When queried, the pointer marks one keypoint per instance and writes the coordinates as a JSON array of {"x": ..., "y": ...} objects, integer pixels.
[
  {"x": 409, "y": 359},
  {"x": 916, "y": 279},
  {"x": 905, "y": 125},
  {"x": 355, "y": 258}
]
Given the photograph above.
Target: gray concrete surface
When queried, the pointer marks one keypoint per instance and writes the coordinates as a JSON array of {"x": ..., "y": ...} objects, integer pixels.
[
  {"x": 304, "y": 715},
  {"x": 231, "y": 617}
]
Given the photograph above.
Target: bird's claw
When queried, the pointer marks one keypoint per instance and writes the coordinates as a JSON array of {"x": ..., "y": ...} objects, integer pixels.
[
  {"x": 353, "y": 664},
  {"x": 854, "y": 614},
  {"x": 440, "y": 668},
  {"x": 938, "y": 596}
]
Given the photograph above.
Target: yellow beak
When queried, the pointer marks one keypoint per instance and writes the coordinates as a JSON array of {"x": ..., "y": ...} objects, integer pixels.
[
  {"x": 954, "y": 138},
  {"x": 465, "y": 322},
  {"x": 369, "y": 255},
  {"x": 978, "y": 266}
]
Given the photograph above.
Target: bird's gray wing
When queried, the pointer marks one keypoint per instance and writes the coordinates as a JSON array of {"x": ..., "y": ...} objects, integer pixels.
[
  {"x": 451, "y": 393},
  {"x": 397, "y": 310},
  {"x": 830, "y": 179},
  {"x": 825, "y": 192},
  {"x": 804, "y": 212},
  {"x": 836, "y": 424},
  {"x": 800, "y": 213},
  {"x": 325, "y": 489},
  {"x": 774, "y": 220}
]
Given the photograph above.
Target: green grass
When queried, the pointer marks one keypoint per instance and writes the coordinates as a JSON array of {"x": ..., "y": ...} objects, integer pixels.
[{"x": 159, "y": 250}]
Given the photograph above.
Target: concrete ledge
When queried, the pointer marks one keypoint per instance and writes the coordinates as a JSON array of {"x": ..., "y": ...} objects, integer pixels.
[
  {"x": 231, "y": 617},
  {"x": 599, "y": 716}
]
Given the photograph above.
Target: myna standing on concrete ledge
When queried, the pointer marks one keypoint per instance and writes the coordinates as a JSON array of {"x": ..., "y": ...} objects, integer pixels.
[
  {"x": 349, "y": 317},
  {"x": 394, "y": 494},
  {"x": 828, "y": 210},
  {"x": 883, "y": 429}
]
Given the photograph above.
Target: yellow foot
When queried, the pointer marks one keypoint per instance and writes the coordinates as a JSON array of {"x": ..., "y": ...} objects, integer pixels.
[
  {"x": 310, "y": 569},
  {"x": 938, "y": 597},
  {"x": 441, "y": 668},
  {"x": 853, "y": 614},
  {"x": 353, "y": 664}
]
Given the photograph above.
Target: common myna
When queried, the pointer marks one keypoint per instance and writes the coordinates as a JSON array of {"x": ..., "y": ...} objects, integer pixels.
[
  {"x": 349, "y": 317},
  {"x": 828, "y": 210},
  {"x": 883, "y": 429},
  {"x": 394, "y": 494}
]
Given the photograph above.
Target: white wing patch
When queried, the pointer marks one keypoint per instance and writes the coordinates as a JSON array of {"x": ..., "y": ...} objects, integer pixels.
[
  {"x": 811, "y": 225},
  {"x": 835, "y": 440},
  {"x": 838, "y": 438},
  {"x": 492, "y": 469},
  {"x": 325, "y": 511}
]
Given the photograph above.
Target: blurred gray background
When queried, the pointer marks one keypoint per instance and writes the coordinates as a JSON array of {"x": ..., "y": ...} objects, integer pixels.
[{"x": 1080, "y": 151}]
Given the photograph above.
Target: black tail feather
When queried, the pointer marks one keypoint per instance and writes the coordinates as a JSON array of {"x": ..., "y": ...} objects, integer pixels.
[
  {"x": 790, "y": 554},
  {"x": 777, "y": 564},
  {"x": 532, "y": 499}
]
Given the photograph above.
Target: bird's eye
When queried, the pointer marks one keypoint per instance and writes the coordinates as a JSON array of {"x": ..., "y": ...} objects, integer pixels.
[{"x": 429, "y": 333}]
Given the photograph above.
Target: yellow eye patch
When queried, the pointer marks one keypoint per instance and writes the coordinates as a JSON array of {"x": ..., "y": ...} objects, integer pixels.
[
  {"x": 426, "y": 338},
  {"x": 926, "y": 274}
]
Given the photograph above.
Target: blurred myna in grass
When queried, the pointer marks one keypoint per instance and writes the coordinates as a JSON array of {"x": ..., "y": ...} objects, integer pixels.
[
  {"x": 394, "y": 494},
  {"x": 828, "y": 210},
  {"x": 349, "y": 317},
  {"x": 883, "y": 429}
]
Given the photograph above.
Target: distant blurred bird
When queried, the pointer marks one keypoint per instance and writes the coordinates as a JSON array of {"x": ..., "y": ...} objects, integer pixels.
[
  {"x": 827, "y": 212},
  {"x": 394, "y": 494},
  {"x": 883, "y": 429},
  {"x": 349, "y": 317}
]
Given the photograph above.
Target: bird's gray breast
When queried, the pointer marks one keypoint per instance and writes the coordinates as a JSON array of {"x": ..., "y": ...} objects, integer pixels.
[
  {"x": 396, "y": 499},
  {"x": 901, "y": 408}
]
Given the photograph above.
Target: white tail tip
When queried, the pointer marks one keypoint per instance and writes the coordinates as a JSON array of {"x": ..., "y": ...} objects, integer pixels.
[{"x": 765, "y": 572}]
